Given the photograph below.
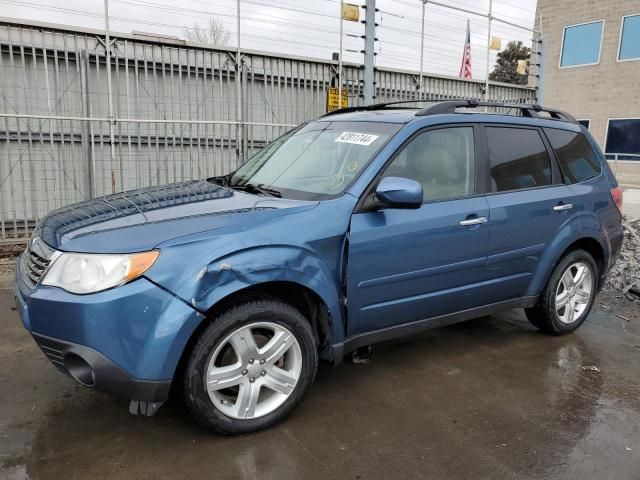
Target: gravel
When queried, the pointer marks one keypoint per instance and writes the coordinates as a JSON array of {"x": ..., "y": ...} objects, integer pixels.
[{"x": 626, "y": 271}]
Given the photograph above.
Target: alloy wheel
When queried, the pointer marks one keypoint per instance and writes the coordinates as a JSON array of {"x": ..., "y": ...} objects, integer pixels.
[
  {"x": 254, "y": 370},
  {"x": 574, "y": 292}
]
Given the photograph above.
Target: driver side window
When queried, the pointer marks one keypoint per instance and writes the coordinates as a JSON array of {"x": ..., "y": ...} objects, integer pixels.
[{"x": 442, "y": 161}]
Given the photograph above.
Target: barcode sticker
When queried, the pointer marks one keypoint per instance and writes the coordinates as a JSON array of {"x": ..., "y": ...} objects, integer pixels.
[{"x": 356, "y": 138}]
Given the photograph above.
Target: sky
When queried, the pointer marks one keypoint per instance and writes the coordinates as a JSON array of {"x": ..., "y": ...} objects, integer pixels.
[{"x": 309, "y": 28}]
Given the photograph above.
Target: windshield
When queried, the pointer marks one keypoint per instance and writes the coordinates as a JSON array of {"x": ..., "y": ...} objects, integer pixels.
[{"x": 316, "y": 161}]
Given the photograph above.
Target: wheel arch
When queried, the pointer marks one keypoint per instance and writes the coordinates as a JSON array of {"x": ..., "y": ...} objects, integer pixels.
[
  {"x": 555, "y": 253},
  {"x": 301, "y": 297}
]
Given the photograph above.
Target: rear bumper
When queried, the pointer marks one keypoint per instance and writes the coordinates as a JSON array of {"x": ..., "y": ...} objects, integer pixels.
[{"x": 92, "y": 369}]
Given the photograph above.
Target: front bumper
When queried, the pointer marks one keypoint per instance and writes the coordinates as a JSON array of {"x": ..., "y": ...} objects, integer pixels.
[
  {"x": 92, "y": 369},
  {"x": 125, "y": 341}
]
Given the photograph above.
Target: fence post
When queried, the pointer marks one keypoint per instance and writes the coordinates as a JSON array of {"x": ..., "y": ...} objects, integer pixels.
[
  {"x": 112, "y": 137},
  {"x": 245, "y": 111},
  {"x": 239, "y": 124},
  {"x": 486, "y": 80},
  {"x": 87, "y": 137}
]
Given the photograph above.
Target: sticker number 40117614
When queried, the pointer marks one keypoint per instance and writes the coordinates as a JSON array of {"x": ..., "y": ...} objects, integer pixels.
[{"x": 356, "y": 138}]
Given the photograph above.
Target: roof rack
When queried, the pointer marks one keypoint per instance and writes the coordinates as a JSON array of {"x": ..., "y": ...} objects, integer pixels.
[
  {"x": 376, "y": 106},
  {"x": 450, "y": 106},
  {"x": 527, "y": 110}
]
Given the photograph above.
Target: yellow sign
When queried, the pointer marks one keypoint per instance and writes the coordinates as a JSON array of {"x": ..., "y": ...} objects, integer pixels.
[
  {"x": 522, "y": 67},
  {"x": 350, "y": 12},
  {"x": 333, "y": 99},
  {"x": 496, "y": 43}
]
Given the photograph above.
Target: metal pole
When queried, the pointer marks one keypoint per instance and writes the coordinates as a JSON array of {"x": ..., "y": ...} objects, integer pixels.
[
  {"x": 369, "y": 53},
  {"x": 112, "y": 137},
  {"x": 420, "y": 89},
  {"x": 340, "y": 60},
  {"x": 540, "y": 47},
  {"x": 239, "y": 130},
  {"x": 84, "y": 87},
  {"x": 486, "y": 82},
  {"x": 144, "y": 120}
]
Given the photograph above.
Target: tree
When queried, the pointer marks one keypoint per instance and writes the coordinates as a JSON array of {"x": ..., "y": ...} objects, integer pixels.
[
  {"x": 214, "y": 34},
  {"x": 507, "y": 64}
]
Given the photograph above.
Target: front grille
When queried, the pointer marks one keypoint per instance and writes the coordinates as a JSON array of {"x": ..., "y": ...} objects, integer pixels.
[
  {"x": 35, "y": 261},
  {"x": 53, "y": 350}
]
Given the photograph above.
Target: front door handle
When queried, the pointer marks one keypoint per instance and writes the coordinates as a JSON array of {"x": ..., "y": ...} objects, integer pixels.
[
  {"x": 563, "y": 207},
  {"x": 473, "y": 221}
]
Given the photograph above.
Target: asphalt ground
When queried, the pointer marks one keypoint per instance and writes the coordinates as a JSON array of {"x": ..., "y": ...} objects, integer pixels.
[{"x": 489, "y": 398}]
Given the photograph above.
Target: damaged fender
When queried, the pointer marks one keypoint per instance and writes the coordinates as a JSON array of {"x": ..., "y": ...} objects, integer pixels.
[
  {"x": 278, "y": 263},
  {"x": 260, "y": 265}
]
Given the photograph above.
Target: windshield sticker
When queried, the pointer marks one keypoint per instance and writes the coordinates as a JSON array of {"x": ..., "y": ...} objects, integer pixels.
[{"x": 356, "y": 138}]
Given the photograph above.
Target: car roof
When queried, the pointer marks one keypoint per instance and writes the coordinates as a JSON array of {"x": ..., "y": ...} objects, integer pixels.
[
  {"x": 455, "y": 111},
  {"x": 405, "y": 116}
]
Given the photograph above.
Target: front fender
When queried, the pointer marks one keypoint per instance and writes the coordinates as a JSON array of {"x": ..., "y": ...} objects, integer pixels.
[
  {"x": 579, "y": 228},
  {"x": 273, "y": 263}
]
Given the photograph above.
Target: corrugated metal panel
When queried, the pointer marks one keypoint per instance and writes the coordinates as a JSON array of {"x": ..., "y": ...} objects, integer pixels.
[{"x": 175, "y": 106}]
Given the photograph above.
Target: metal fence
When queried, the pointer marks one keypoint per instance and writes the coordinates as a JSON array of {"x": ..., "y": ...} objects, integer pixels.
[{"x": 175, "y": 111}]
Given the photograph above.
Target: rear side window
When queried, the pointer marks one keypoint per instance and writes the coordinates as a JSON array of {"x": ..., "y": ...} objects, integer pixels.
[
  {"x": 518, "y": 159},
  {"x": 578, "y": 161}
]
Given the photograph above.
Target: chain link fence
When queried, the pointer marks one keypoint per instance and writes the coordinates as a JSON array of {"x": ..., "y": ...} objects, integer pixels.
[{"x": 177, "y": 112}]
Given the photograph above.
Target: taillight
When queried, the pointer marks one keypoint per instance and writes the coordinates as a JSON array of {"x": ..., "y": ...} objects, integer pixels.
[{"x": 616, "y": 194}]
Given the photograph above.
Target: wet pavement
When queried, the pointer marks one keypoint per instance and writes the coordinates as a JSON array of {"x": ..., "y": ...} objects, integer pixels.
[{"x": 490, "y": 398}]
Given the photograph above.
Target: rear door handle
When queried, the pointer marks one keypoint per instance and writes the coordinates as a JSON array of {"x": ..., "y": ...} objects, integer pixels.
[
  {"x": 473, "y": 221},
  {"x": 564, "y": 206}
]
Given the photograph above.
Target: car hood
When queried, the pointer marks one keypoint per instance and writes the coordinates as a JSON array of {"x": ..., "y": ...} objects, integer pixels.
[{"x": 141, "y": 219}]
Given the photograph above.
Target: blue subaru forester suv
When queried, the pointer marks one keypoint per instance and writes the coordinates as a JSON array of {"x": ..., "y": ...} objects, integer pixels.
[{"x": 358, "y": 227}]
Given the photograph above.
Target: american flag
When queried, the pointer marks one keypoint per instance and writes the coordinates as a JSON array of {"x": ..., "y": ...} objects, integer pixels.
[{"x": 465, "y": 66}]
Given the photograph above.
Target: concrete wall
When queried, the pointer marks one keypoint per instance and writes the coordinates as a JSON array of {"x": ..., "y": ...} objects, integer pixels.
[{"x": 610, "y": 89}]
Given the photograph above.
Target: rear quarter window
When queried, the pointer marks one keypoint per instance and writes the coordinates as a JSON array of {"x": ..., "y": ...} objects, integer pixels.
[{"x": 578, "y": 162}]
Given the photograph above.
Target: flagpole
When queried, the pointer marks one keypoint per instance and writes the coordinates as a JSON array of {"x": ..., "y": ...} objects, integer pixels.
[{"x": 486, "y": 82}]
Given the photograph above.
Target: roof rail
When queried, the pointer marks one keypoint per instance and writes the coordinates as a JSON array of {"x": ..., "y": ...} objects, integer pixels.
[
  {"x": 527, "y": 110},
  {"x": 376, "y": 106}
]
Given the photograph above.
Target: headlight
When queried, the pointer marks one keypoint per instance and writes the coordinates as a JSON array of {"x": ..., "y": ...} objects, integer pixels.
[{"x": 89, "y": 273}]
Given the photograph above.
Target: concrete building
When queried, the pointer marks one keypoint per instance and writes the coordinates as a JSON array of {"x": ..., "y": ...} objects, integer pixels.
[{"x": 590, "y": 66}]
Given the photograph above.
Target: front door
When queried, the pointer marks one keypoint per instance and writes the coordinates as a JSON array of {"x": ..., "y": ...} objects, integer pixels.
[{"x": 406, "y": 265}]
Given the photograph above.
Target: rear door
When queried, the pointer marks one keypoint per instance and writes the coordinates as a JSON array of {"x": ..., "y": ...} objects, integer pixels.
[
  {"x": 528, "y": 205},
  {"x": 407, "y": 265}
]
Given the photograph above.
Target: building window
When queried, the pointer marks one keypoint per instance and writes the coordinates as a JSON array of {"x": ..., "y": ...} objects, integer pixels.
[
  {"x": 581, "y": 44},
  {"x": 630, "y": 38},
  {"x": 585, "y": 123},
  {"x": 623, "y": 139}
]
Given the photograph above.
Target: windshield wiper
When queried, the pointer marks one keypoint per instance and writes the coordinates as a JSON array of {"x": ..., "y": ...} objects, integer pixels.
[{"x": 259, "y": 189}]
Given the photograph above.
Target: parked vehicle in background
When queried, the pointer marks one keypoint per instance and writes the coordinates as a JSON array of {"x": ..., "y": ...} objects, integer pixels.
[{"x": 358, "y": 227}]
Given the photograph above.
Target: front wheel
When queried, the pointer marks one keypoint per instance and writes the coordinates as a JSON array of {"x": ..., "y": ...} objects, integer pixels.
[
  {"x": 567, "y": 299},
  {"x": 250, "y": 367}
]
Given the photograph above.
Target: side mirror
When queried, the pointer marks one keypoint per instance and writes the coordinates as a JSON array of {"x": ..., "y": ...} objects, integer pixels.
[{"x": 398, "y": 192}]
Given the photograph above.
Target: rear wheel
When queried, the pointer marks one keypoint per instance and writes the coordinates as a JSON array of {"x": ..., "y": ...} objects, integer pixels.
[
  {"x": 250, "y": 367},
  {"x": 567, "y": 299}
]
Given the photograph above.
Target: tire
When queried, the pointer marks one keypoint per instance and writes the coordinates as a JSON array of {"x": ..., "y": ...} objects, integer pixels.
[
  {"x": 237, "y": 369},
  {"x": 559, "y": 321}
]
